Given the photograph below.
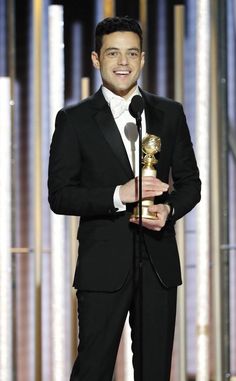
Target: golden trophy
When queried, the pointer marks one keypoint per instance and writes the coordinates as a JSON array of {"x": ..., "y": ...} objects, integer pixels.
[{"x": 151, "y": 144}]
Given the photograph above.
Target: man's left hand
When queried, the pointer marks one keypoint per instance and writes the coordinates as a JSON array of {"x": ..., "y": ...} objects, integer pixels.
[{"x": 161, "y": 210}]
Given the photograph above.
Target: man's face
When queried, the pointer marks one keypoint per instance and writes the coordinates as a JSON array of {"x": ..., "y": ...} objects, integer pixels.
[{"x": 120, "y": 62}]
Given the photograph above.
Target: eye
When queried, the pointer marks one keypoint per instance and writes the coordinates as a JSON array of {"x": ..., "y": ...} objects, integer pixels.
[
  {"x": 112, "y": 53},
  {"x": 133, "y": 54}
]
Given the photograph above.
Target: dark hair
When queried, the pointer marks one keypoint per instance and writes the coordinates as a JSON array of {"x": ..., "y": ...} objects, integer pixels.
[{"x": 116, "y": 24}]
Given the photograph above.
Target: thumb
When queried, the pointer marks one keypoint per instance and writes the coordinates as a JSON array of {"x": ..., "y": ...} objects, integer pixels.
[{"x": 153, "y": 208}]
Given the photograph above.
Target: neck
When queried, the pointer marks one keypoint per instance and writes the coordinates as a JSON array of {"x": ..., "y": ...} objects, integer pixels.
[{"x": 124, "y": 94}]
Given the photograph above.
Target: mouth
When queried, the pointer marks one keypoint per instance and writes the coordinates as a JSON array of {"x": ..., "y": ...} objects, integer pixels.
[{"x": 122, "y": 73}]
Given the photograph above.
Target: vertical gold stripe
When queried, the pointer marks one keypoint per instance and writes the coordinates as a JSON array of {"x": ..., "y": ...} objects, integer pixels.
[
  {"x": 179, "y": 52},
  {"x": 143, "y": 14},
  {"x": 143, "y": 21},
  {"x": 85, "y": 84},
  {"x": 37, "y": 33},
  {"x": 109, "y": 8},
  {"x": 180, "y": 226}
]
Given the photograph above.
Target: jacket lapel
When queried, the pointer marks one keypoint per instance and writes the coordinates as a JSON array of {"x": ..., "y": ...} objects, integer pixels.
[
  {"x": 154, "y": 116},
  {"x": 154, "y": 119},
  {"x": 109, "y": 129}
]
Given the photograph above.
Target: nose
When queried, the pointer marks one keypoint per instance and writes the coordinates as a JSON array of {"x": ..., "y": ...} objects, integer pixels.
[{"x": 122, "y": 60}]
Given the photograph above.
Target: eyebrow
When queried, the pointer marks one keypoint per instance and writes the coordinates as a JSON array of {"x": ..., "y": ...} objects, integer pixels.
[{"x": 114, "y": 48}]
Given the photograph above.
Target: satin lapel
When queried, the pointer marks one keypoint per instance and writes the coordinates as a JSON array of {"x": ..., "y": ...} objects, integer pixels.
[
  {"x": 154, "y": 119},
  {"x": 107, "y": 125},
  {"x": 154, "y": 116}
]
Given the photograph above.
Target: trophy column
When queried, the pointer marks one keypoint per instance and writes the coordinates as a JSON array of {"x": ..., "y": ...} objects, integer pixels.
[{"x": 151, "y": 145}]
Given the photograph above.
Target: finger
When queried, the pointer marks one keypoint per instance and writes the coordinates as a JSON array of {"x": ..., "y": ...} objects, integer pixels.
[
  {"x": 154, "y": 208},
  {"x": 153, "y": 180},
  {"x": 149, "y": 224},
  {"x": 154, "y": 186},
  {"x": 152, "y": 192}
]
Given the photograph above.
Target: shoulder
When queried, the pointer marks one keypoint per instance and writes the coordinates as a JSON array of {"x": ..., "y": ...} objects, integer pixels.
[
  {"x": 163, "y": 103},
  {"x": 78, "y": 108},
  {"x": 86, "y": 107}
]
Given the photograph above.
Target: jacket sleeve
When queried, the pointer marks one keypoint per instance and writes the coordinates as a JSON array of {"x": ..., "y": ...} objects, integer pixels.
[
  {"x": 66, "y": 193},
  {"x": 185, "y": 174}
]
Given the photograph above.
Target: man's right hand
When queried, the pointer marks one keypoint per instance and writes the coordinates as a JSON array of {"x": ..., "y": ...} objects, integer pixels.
[{"x": 151, "y": 187}]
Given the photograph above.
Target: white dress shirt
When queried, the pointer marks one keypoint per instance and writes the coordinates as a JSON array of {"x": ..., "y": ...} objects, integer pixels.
[{"x": 128, "y": 130}]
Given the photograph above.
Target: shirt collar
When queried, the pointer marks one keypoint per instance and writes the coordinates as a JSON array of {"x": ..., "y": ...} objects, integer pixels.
[{"x": 108, "y": 94}]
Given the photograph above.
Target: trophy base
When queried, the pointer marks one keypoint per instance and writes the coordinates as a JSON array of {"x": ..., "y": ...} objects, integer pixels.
[{"x": 145, "y": 213}]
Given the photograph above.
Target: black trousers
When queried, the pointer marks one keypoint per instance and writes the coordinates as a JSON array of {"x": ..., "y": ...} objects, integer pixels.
[{"x": 101, "y": 321}]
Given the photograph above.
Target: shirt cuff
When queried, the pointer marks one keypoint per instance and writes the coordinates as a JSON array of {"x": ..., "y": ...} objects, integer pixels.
[{"x": 118, "y": 204}]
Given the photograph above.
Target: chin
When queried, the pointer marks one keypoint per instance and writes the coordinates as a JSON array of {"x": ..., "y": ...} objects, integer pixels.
[{"x": 125, "y": 89}]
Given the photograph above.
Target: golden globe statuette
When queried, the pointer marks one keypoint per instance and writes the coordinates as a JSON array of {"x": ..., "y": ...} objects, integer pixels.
[{"x": 151, "y": 144}]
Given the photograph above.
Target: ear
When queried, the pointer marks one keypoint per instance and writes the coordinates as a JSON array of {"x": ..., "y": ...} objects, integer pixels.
[{"x": 95, "y": 60}]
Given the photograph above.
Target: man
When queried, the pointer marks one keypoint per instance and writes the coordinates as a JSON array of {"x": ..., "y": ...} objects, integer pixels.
[{"x": 93, "y": 174}]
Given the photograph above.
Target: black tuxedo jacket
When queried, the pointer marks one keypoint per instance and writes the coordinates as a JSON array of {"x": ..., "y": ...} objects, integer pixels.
[{"x": 88, "y": 160}]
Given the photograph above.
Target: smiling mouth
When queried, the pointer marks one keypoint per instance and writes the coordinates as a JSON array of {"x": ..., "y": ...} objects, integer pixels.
[{"x": 122, "y": 72}]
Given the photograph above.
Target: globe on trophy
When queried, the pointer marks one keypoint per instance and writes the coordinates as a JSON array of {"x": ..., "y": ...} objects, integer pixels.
[{"x": 151, "y": 145}]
